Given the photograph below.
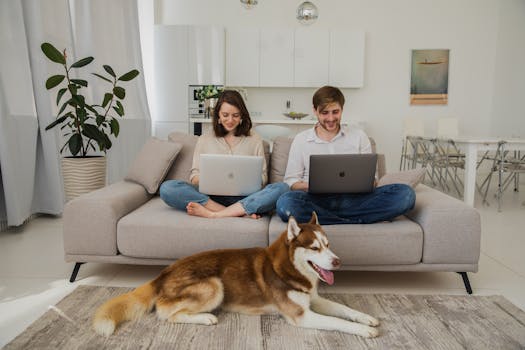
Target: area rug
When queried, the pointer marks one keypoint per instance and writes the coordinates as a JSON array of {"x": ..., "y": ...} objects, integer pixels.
[{"x": 407, "y": 322}]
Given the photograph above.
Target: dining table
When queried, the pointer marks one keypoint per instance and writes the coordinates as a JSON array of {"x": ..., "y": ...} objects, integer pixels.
[{"x": 471, "y": 146}]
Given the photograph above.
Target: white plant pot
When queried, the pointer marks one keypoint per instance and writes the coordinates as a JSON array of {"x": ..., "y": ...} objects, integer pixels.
[{"x": 83, "y": 175}]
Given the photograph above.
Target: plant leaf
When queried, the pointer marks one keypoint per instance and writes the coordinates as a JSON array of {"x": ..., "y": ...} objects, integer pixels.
[
  {"x": 107, "y": 97},
  {"x": 119, "y": 92},
  {"x": 52, "y": 53},
  {"x": 82, "y": 62},
  {"x": 75, "y": 143},
  {"x": 60, "y": 94},
  {"x": 54, "y": 81},
  {"x": 100, "y": 119},
  {"x": 102, "y": 77},
  {"x": 81, "y": 82},
  {"x": 73, "y": 89},
  {"x": 121, "y": 107},
  {"x": 129, "y": 75},
  {"x": 92, "y": 131},
  {"x": 109, "y": 70},
  {"x": 115, "y": 127},
  {"x": 67, "y": 103},
  {"x": 119, "y": 112},
  {"x": 56, "y": 122}
]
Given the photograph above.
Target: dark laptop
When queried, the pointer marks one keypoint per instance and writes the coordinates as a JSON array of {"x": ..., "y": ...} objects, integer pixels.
[{"x": 342, "y": 173}]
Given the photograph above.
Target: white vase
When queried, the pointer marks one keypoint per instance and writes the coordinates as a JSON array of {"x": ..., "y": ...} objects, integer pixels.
[{"x": 83, "y": 175}]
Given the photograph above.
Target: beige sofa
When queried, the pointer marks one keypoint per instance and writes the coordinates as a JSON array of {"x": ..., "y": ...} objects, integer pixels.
[{"x": 123, "y": 223}]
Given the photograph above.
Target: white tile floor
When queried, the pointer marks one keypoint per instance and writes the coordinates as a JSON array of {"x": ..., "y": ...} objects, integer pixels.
[{"x": 33, "y": 274}]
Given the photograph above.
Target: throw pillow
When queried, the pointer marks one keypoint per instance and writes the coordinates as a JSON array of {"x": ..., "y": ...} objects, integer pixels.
[
  {"x": 409, "y": 177},
  {"x": 152, "y": 163}
]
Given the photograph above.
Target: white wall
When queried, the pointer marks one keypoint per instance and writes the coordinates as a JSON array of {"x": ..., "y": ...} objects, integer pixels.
[{"x": 469, "y": 28}]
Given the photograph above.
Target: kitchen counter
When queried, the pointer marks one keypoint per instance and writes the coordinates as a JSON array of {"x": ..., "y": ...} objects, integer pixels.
[{"x": 304, "y": 121}]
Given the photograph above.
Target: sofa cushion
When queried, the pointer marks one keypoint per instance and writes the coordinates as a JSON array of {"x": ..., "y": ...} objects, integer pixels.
[
  {"x": 280, "y": 149},
  {"x": 409, "y": 177},
  {"x": 152, "y": 163},
  {"x": 384, "y": 243},
  {"x": 158, "y": 231},
  {"x": 180, "y": 170}
]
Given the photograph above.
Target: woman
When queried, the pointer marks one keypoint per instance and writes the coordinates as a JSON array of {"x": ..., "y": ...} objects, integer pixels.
[{"x": 231, "y": 135}]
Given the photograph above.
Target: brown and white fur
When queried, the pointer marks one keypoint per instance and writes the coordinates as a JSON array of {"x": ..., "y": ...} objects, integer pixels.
[{"x": 281, "y": 278}]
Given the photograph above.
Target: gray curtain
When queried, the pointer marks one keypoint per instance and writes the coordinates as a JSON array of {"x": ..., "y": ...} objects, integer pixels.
[{"x": 29, "y": 155}]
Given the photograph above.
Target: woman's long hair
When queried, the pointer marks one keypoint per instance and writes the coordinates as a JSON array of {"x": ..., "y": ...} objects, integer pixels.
[{"x": 233, "y": 98}]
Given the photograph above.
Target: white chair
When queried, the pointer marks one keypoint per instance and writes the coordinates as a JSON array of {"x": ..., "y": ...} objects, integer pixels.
[
  {"x": 412, "y": 126},
  {"x": 270, "y": 131}
]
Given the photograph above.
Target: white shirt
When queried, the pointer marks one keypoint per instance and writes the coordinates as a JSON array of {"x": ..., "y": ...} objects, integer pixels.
[{"x": 306, "y": 143}]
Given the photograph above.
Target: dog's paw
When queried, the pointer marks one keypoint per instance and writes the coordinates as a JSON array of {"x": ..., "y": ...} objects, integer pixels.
[
  {"x": 368, "y": 320},
  {"x": 209, "y": 319},
  {"x": 372, "y": 333}
]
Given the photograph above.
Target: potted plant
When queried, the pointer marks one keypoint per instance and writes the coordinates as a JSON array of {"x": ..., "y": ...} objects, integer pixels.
[
  {"x": 87, "y": 127},
  {"x": 209, "y": 94}
]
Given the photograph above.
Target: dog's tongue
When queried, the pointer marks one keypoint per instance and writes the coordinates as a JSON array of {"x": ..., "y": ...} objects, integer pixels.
[{"x": 326, "y": 275}]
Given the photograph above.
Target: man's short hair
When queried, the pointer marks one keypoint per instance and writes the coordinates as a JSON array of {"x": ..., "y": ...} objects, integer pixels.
[{"x": 326, "y": 95}]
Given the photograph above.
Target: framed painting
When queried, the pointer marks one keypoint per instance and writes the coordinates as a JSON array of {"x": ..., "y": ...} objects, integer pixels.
[{"x": 429, "y": 77}]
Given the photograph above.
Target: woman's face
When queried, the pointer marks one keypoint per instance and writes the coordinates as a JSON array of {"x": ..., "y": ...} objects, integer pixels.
[{"x": 229, "y": 117}]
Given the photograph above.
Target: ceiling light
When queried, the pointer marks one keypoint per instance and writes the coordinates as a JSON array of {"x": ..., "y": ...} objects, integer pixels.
[
  {"x": 249, "y": 3},
  {"x": 307, "y": 13}
]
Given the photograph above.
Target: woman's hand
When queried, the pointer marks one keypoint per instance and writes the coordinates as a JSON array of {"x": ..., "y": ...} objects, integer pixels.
[{"x": 300, "y": 186}]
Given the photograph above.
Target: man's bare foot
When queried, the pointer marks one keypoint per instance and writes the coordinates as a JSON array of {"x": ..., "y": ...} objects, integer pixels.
[{"x": 197, "y": 209}]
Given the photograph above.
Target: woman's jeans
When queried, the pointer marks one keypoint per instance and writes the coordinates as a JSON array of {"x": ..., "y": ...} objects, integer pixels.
[
  {"x": 178, "y": 194},
  {"x": 383, "y": 204}
]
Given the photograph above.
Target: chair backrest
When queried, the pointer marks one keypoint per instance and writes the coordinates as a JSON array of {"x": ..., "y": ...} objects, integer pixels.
[{"x": 447, "y": 127}]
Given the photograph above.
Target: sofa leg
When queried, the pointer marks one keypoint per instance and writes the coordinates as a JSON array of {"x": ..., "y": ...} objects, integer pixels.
[
  {"x": 466, "y": 282},
  {"x": 75, "y": 272}
]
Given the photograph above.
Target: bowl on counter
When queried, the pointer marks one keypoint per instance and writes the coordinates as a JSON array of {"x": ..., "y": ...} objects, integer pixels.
[{"x": 295, "y": 115}]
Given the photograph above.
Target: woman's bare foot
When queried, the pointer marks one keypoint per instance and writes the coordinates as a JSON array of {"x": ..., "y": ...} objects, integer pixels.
[
  {"x": 234, "y": 210},
  {"x": 197, "y": 209}
]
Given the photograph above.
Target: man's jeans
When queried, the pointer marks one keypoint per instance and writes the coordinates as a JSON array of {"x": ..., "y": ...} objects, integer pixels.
[
  {"x": 178, "y": 194},
  {"x": 384, "y": 203}
]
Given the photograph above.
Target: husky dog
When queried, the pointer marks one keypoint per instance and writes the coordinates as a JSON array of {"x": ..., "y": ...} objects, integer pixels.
[{"x": 281, "y": 278}]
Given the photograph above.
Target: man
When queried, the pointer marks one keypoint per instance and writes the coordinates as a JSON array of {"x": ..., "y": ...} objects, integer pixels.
[{"x": 328, "y": 137}]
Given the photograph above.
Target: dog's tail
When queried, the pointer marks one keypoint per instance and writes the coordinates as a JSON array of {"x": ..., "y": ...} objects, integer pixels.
[{"x": 129, "y": 306}]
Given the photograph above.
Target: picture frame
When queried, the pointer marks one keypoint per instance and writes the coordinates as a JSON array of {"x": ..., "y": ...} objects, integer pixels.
[{"x": 429, "y": 77}]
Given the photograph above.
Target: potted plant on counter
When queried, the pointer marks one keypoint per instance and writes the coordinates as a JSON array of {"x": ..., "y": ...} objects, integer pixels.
[
  {"x": 209, "y": 95},
  {"x": 86, "y": 127}
]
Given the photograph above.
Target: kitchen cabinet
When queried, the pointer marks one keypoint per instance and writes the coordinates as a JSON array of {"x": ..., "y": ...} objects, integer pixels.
[
  {"x": 311, "y": 57},
  {"x": 205, "y": 55},
  {"x": 276, "y": 64},
  {"x": 170, "y": 107},
  {"x": 184, "y": 55},
  {"x": 347, "y": 58},
  {"x": 304, "y": 57},
  {"x": 242, "y": 57}
]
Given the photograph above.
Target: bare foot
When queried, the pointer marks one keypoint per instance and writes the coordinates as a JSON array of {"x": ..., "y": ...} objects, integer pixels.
[
  {"x": 252, "y": 216},
  {"x": 197, "y": 209}
]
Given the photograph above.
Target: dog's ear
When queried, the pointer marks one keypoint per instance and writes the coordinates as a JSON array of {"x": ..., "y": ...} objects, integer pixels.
[
  {"x": 314, "y": 219},
  {"x": 293, "y": 229}
]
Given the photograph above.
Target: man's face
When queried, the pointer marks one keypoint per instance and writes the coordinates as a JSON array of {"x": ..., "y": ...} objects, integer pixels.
[{"x": 330, "y": 117}]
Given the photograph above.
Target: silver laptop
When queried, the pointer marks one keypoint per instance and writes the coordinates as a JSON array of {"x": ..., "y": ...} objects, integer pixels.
[
  {"x": 230, "y": 175},
  {"x": 342, "y": 173}
]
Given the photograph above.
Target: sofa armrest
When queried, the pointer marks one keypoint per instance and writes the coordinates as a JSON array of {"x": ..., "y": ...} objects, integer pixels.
[
  {"x": 451, "y": 228},
  {"x": 90, "y": 220}
]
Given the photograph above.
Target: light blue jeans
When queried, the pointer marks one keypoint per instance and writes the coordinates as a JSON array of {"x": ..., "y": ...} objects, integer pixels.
[
  {"x": 383, "y": 204},
  {"x": 178, "y": 194}
]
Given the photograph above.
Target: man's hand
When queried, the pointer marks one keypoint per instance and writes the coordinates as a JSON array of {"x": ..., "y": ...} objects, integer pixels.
[{"x": 195, "y": 180}]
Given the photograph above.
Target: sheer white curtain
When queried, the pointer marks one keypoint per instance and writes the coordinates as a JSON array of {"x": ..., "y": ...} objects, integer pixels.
[{"x": 29, "y": 155}]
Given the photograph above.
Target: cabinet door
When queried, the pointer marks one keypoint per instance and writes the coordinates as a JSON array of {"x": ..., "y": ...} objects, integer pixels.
[
  {"x": 205, "y": 55},
  {"x": 347, "y": 57},
  {"x": 242, "y": 57},
  {"x": 311, "y": 57},
  {"x": 276, "y": 57},
  {"x": 171, "y": 73}
]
